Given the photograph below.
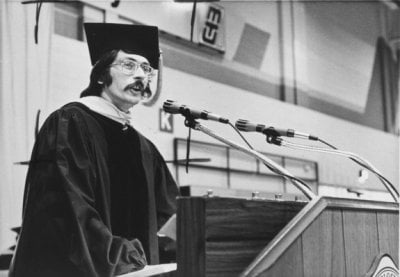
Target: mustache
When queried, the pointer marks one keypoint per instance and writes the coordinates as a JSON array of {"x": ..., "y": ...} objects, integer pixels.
[{"x": 138, "y": 84}]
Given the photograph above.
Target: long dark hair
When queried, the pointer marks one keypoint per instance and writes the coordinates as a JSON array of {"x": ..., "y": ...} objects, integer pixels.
[{"x": 100, "y": 76}]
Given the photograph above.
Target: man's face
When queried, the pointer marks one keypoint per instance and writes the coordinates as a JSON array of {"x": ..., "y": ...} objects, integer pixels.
[{"x": 128, "y": 83}]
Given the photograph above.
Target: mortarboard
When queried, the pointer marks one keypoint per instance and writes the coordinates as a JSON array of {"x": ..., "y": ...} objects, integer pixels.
[{"x": 137, "y": 39}]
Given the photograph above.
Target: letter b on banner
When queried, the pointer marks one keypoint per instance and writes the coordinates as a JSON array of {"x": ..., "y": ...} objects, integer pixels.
[{"x": 212, "y": 28}]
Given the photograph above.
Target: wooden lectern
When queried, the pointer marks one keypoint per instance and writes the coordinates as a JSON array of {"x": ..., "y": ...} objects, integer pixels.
[{"x": 324, "y": 237}]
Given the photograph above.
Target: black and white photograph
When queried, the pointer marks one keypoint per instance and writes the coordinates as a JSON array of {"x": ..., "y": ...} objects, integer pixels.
[{"x": 199, "y": 138}]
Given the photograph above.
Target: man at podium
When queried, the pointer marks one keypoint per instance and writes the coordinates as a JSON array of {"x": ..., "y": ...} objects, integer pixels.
[{"x": 97, "y": 190}]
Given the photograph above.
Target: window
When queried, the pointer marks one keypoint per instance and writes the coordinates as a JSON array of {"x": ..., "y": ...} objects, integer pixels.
[
  {"x": 69, "y": 18},
  {"x": 229, "y": 172},
  {"x": 92, "y": 14}
]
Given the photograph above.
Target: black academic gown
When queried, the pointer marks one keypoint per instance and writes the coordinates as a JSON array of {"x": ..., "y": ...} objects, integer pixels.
[{"x": 95, "y": 197}]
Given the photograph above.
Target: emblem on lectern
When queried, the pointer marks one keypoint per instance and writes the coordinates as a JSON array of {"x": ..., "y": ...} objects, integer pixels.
[{"x": 383, "y": 266}]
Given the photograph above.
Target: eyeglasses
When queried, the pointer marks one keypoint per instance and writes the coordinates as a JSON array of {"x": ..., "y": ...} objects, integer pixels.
[{"x": 129, "y": 67}]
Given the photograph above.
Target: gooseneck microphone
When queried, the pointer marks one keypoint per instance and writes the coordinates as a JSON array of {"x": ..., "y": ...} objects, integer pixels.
[
  {"x": 247, "y": 126},
  {"x": 173, "y": 107}
]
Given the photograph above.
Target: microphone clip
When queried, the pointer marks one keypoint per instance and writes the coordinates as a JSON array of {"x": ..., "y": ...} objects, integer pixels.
[
  {"x": 273, "y": 139},
  {"x": 190, "y": 120},
  {"x": 273, "y": 136}
]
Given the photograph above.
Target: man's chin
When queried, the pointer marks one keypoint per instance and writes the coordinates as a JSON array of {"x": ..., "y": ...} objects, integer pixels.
[{"x": 134, "y": 99}]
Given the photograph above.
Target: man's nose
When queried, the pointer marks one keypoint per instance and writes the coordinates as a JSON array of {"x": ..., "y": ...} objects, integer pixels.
[{"x": 139, "y": 73}]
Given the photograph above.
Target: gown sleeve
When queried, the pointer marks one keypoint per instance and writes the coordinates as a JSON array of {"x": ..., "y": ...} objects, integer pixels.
[
  {"x": 66, "y": 230},
  {"x": 166, "y": 192}
]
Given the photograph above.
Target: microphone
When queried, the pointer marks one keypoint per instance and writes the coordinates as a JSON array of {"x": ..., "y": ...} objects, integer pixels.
[
  {"x": 173, "y": 107},
  {"x": 246, "y": 126}
]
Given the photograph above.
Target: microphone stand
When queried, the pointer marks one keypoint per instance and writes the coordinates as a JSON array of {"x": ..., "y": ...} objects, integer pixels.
[
  {"x": 363, "y": 162},
  {"x": 192, "y": 123}
]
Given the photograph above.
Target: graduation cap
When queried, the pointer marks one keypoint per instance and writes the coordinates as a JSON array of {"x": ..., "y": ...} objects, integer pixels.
[{"x": 136, "y": 39}]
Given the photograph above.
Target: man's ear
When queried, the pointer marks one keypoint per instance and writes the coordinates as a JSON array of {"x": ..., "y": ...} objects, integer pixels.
[
  {"x": 105, "y": 79},
  {"x": 101, "y": 80}
]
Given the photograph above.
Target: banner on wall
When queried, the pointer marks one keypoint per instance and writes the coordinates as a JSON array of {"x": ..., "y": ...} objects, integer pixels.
[{"x": 212, "y": 27}]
